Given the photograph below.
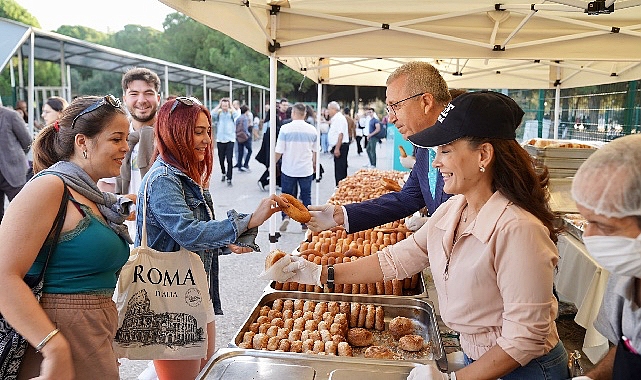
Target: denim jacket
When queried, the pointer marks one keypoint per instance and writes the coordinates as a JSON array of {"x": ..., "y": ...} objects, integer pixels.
[{"x": 180, "y": 214}]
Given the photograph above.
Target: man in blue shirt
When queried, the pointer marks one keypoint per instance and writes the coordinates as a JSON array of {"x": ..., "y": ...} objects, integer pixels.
[
  {"x": 373, "y": 137},
  {"x": 416, "y": 95}
]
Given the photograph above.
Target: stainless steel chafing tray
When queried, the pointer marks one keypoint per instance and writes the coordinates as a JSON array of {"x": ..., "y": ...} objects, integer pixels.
[
  {"x": 572, "y": 229},
  {"x": 558, "y": 152},
  {"x": 420, "y": 291},
  {"x": 420, "y": 311},
  {"x": 236, "y": 363}
]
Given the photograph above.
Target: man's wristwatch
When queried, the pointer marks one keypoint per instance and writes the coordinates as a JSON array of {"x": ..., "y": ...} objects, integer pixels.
[{"x": 330, "y": 277}]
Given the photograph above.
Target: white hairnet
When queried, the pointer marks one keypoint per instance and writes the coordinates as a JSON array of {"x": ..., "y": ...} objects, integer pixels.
[{"x": 609, "y": 181}]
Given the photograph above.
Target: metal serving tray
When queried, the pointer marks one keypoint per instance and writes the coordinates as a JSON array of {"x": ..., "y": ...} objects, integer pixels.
[
  {"x": 573, "y": 230},
  {"x": 236, "y": 363},
  {"x": 420, "y": 311},
  {"x": 560, "y": 163},
  {"x": 420, "y": 291},
  {"x": 555, "y": 152},
  {"x": 560, "y": 196},
  {"x": 561, "y": 173}
]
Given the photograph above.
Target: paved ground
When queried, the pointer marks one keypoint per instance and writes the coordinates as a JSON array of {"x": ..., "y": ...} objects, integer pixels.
[{"x": 240, "y": 288}]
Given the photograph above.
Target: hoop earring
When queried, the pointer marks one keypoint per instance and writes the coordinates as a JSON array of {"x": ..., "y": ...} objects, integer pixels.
[
  {"x": 482, "y": 168},
  {"x": 84, "y": 154}
]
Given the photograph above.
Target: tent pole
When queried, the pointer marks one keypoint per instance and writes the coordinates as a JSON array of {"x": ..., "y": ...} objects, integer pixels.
[
  {"x": 273, "y": 237},
  {"x": 557, "y": 110},
  {"x": 166, "y": 82},
  {"x": 63, "y": 76},
  {"x": 32, "y": 51},
  {"x": 557, "y": 102},
  {"x": 319, "y": 115}
]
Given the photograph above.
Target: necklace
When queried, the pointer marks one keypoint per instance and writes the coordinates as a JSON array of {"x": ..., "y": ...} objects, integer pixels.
[{"x": 465, "y": 211}]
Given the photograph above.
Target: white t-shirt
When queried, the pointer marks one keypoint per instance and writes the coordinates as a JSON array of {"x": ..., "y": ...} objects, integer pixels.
[
  {"x": 337, "y": 125},
  {"x": 297, "y": 142},
  {"x": 134, "y": 184}
]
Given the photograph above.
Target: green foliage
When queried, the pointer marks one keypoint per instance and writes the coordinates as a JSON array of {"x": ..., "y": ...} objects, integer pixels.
[
  {"x": 13, "y": 11},
  {"x": 138, "y": 39},
  {"x": 101, "y": 83},
  {"x": 183, "y": 41},
  {"x": 84, "y": 33}
]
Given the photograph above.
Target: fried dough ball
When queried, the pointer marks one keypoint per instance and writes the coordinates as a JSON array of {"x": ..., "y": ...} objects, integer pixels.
[
  {"x": 359, "y": 337},
  {"x": 379, "y": 352},
  {"x": 344, "y": 349},
  {"x": 411, "y": 342},
  {"x": 400, "y": 326}
]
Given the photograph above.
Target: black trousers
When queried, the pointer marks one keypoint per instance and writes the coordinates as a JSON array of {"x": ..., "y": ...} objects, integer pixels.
[
  {"x": 359, "y": 149},
  {"x": 226, "y": 154},
  {"x": 340, "y": 162}
]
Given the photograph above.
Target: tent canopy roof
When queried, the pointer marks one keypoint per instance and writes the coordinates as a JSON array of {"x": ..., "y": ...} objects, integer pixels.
[{"x": 481, "y": 34}]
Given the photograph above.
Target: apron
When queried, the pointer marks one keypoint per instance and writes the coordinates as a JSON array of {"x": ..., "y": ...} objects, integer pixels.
[{"x": 627, "y": 365}]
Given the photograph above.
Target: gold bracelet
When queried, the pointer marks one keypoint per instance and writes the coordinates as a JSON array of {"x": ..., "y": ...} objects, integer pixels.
[{"x": 47, "y": 338}]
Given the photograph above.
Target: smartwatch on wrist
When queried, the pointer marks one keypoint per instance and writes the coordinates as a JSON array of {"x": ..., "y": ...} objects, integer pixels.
[{"x": 330, "y": 277}]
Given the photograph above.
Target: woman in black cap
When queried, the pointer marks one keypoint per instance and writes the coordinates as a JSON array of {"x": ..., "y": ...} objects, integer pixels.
[{"x": 490, "y": 248}]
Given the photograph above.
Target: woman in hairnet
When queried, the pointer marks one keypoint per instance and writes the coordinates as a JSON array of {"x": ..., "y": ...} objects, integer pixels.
[{"x": 607, "y": 191}]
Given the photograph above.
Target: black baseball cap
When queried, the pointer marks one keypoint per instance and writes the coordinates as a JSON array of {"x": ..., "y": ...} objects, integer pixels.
[{"x": 474, "y": 114}]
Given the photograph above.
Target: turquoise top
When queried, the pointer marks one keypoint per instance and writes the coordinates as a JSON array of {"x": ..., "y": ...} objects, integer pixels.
[{"x": 86, "y": 260}]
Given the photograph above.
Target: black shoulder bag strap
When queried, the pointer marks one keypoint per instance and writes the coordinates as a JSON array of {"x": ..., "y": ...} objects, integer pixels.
[{"x": 56, "y": 229}]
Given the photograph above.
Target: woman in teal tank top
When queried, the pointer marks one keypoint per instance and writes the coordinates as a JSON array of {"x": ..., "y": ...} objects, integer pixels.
[{"x": 74, "y": 323}]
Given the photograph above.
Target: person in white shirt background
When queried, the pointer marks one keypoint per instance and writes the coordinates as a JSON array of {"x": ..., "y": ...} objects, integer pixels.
[
  {"x": 338, "y": 140},
  {"x": 296, "y": 145}
]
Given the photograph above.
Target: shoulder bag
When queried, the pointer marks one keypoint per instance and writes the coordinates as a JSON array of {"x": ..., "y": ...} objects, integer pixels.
[
  {"x": 163, "y": 303},
  {"x": 12, "y": 345}
]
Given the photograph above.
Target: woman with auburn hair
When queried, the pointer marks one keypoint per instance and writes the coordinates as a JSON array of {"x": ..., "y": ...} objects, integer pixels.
[
  {"x": 180, "y": 211},
  {"x": 490, "y": 247}
]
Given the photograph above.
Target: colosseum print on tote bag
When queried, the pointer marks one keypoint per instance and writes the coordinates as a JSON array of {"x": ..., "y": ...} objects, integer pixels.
[{"x": 163, "y": 302}]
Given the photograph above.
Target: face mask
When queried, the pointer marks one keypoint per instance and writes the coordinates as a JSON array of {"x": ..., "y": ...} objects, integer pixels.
[{"x": 617, "y": 254}]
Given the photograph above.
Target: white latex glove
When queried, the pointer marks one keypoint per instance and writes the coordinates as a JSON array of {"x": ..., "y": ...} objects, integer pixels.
[
  {"x": 408, "y": 162},
  {"x": 414, "y": 222},
  {"x": 278, "y": 272},
  {"x": 428, "y": 372},
  {"x": 304, "y": 271},
  {"x": 322, "y": 218}
]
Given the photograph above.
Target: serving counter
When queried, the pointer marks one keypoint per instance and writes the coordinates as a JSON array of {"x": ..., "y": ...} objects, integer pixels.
[{"x": 582, "y": 281}]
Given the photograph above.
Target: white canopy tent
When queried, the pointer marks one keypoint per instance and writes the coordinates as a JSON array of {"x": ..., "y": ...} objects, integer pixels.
[{"x": 475, "y": 43}]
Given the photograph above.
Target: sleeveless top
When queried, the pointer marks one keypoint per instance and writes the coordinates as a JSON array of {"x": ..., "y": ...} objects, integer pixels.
[{"x": 86, "y": 260}]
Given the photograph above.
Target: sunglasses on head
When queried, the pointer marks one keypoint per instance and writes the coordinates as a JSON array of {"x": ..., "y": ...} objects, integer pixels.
[
  {"x": 107, "y": 99},
  {"x": 184, "y": 100}
]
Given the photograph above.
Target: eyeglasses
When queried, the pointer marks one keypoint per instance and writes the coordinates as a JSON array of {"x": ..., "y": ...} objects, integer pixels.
[
  {"x": 107, "y": 99},
  {"x": 392, "y": 108},
  {"x": 185, "y": 100}
]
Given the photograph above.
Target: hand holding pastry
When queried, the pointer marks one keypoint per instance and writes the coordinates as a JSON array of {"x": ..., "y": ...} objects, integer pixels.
[
  {"x": 266, "y": 208},
  {"x": 276, "y": 263},
  {"x": 304, "y": 272}
]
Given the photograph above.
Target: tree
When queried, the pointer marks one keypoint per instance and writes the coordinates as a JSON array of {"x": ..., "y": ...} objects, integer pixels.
[
  {"x": 84, "y": 33},
  {"x": 13, "y": 11},
  {"x": 138, "y": 39}
]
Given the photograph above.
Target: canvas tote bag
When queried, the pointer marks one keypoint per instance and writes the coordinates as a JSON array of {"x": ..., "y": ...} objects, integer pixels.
[{"x": 162, "y": 300}]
